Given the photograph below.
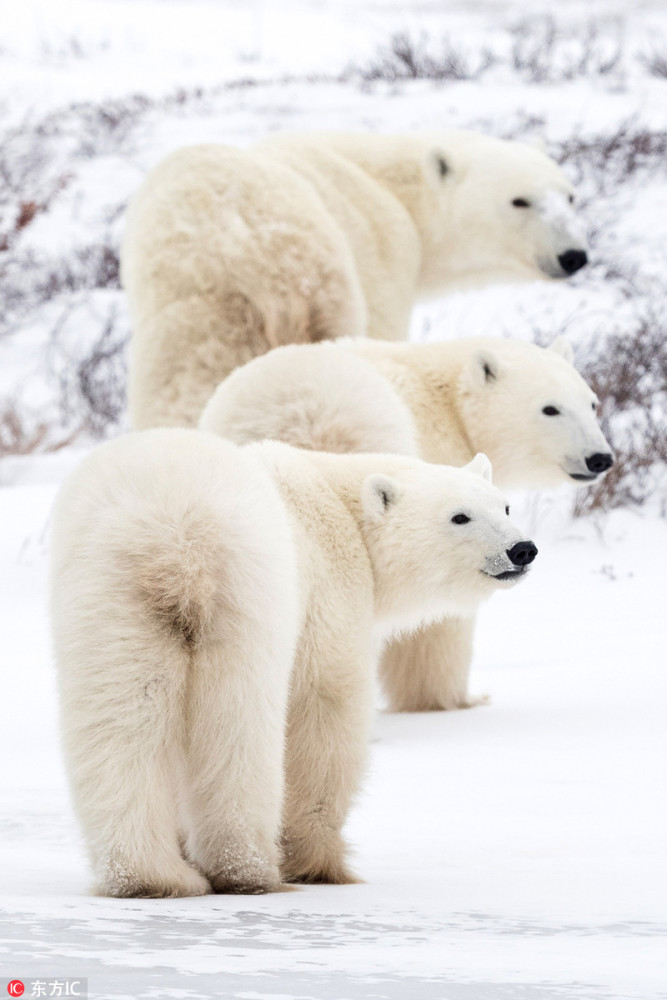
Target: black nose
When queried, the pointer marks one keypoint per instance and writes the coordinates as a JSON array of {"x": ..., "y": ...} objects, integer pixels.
[
  {"x": 599, "y": 462},
  {"x": 522, "y": 553},
  {"x": 572, "y": 260}
]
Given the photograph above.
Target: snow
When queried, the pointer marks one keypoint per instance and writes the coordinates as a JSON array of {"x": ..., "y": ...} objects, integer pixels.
[{"x": 515, "y": 851}]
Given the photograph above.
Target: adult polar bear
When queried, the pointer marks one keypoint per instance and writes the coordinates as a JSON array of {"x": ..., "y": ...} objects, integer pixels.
[
  {"x": 526, "y": 407},
  {"x": 216, "y": 615},
  {"x": 303, "y": 238}
]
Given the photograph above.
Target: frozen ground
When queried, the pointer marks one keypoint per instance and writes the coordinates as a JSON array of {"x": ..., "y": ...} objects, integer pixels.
[{"x": 513, "y": 852}]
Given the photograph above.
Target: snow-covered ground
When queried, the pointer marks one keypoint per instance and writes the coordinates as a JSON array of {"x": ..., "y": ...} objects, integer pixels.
[{"x": 512, "y": 852}]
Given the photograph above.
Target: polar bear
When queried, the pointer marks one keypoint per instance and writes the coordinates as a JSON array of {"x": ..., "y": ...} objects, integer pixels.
[
  {"x": 302, "y": 238},
  {"x": 525, "y": 406},
  {"x": 217, "y": 614}
]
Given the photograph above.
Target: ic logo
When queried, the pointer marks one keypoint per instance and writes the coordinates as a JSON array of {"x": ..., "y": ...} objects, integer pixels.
[{"x": 15, "y": 988}]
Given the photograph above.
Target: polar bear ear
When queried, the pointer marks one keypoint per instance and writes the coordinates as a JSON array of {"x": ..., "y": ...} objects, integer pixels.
[
  {"x": 563, "y": 347},
  {"x": 437, "y": 166},
  {"x": 480, "y": 466},
  {"x": 378, "y": 494},
  {"x": 484, "y": 367}
]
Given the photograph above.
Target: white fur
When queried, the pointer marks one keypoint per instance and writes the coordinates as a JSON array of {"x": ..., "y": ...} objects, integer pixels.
[
  {"x": 303, "y": 238},
  {"x": 453, "y": 398},
  {"x": 215, "y": 618}
]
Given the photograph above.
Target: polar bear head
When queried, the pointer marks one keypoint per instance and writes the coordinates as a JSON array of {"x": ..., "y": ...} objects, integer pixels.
[
  {"x": 529, "y": 409},
  {"x": 440, "y": 541},
  {"x": 502, "y": 210}
]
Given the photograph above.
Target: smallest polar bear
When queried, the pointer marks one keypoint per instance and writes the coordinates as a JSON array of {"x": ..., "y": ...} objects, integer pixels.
[{"x": 217, "y": 617}]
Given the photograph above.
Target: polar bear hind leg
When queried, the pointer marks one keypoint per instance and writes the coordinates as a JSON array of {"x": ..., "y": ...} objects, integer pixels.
[
  {"x": 184, "y": 351},
  {"x": 123, "y": 760}
]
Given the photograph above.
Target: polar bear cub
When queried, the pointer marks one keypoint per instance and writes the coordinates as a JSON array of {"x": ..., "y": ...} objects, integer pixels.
[
  {"x": 525, "y": 406},
  {"x": 217, "y": 616}
]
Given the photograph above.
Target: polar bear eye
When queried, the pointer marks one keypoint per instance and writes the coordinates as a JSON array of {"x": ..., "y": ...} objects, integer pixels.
[
  {"x": 570, "y": 198},
  {"x": 521, "y": 203},
  {"x": 550, "y": 411},
  {"x": 507, "y": 511},
  {"x": 460, "y": 519}
]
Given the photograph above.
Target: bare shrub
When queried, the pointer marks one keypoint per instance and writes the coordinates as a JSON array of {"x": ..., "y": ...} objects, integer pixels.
[
  {"x": 629, "y": 375},
  {"x": 107, "y": 125},
  {"x": 19, "y": 435},
  {"x": 541, "y": 50},
  {"x": 24, "y": 433},
  {"x": 412, "y": 59},
  {"x": 29, "y": 281},
  {"x": 638, "y": 452},
  {"x": 545, "y": 52},
  {"x": 533, "y": 49},
  {"x": 655, "y": 62},
  {"x": 626, "y": 279},
  {"x": 93, "y": 386},
  {"x": 28, "y": 187},
  {"x": 609, "y": 158}
]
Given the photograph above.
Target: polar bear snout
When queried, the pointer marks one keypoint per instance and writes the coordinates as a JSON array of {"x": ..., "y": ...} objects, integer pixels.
[
  {"x": 522, "y": 554},
  {"x": 573, "y": 260}
]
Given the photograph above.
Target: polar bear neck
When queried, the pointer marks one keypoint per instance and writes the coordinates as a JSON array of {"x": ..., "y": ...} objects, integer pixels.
[
  {"x": 344, "y": 475},
  {"x": 401, "y": 170},
  {"x": 427, "y": 377}
]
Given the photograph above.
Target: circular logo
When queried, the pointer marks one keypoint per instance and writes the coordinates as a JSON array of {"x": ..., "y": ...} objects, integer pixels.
[{"x": 15, "y": 988}]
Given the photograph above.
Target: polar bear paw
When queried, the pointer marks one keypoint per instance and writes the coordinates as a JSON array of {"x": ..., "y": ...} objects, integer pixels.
[
  {"x": 472, "y": 701},
  {"x": 124, "y": 882},
  {"x": 310, "y": 864},
  {"x": 245, "y": 872}
]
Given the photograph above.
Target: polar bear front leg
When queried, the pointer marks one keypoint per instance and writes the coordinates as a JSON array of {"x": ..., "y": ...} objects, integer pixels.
[
  {"x": 328, "y": 737},
  {"x": 429, "y": 670}
]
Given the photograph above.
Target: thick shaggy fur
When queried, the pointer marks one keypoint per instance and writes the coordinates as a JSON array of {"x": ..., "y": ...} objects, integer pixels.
[
  {"x": 304, "y": 238},
  {"x": 217, "y": 614},
  {"x": 442, "y": 401}
]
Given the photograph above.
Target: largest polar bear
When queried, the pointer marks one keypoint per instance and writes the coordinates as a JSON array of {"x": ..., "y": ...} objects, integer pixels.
[
  {"x": 525, "y": 406},
  {"x": 209, "y": 601},
  {"x": 302, "y": 238}
]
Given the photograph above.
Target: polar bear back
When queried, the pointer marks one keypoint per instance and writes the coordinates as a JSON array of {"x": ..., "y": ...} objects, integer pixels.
[
  {"x": 322, "y": 399},
  {"x": 225, "y": 256}
]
